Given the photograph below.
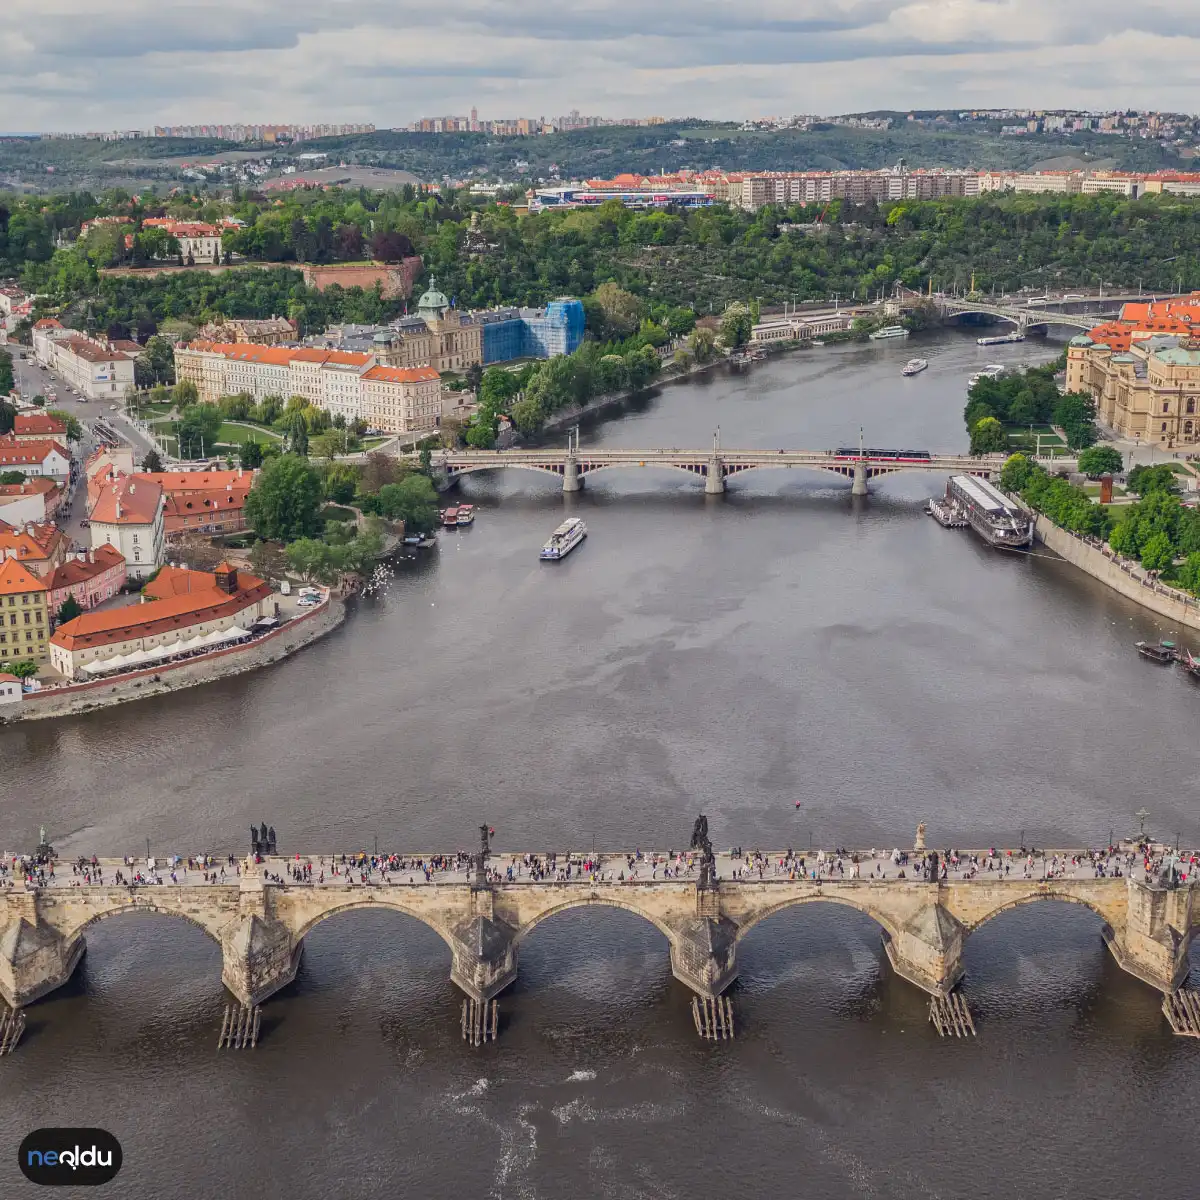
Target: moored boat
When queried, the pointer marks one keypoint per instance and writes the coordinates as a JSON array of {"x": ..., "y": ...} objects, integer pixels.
[
  {"x": 564, "y": 539},
  {"x": 888, "y": 331},
  {"x": 1161, "y": 651},
  {"x": 990, "y": 512},
  {"x": 449, "y": 517},
  {"x": 1189, "y": 663},
  {"x": 915, "y": 366}
]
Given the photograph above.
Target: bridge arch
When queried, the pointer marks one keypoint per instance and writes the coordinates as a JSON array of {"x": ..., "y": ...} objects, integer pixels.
[
  {"x": 478, "y": 468},
  {"x": 880, "y": 918},
  {"x": 592, "y": 902},
  {"x": 153, "y": 907},
  {"x": 695, "y": 470},
  {"x": 371, "y": 902},
  {"x": 1034, "y": 897}
]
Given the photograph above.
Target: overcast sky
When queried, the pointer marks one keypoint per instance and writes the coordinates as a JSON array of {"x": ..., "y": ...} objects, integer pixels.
[{"x": 103, "y": 64}]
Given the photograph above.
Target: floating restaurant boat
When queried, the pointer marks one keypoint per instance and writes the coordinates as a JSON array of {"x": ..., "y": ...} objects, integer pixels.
[
  {"x": 466, "y": 514},
  {"x": 915, "y": 366},
  {"x": 450, "y": 517},
  {"x": 1161, "y": 651},
  {"x": 990, "y": 512},
  {"x": 888, "y": 331},
  {"x": 991, "y": 371},
  {"x": 564, "y": 539}
]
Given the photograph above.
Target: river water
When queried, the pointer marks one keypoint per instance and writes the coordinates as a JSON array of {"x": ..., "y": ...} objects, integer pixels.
[{"x": 737, "y": 655}]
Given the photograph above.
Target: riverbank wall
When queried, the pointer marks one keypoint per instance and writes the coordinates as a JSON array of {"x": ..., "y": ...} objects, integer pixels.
[
  {"x": 172, "y": 677},
  {"x": 1122, "y": 576}
]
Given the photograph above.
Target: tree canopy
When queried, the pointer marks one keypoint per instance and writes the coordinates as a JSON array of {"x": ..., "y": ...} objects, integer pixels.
[{"x": 285, "y": 501}]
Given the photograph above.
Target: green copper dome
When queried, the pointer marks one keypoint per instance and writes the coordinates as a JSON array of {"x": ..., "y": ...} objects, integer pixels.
[{"x": 433, "y": 303}]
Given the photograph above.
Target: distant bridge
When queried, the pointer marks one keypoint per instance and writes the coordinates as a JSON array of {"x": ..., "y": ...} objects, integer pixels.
[
  {"x": 717, "y": 464},
  {"x": 1020, "y": 315}
]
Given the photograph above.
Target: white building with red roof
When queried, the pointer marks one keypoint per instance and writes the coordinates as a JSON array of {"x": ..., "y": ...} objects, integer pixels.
[
  {"x": 41, "y": 458},
  {"x": 39, "y": 427},
  {"x": 129, "y": 515}
]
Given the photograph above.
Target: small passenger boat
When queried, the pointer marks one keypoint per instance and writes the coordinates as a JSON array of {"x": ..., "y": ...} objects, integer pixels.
[
  {"x": 564, "y": 539},
  {"x": 1161, "y": 651},
  {"x": 915, "y": 366},
  {"x": 466, "y": 514},
  {"x": 449, "y": 517}
]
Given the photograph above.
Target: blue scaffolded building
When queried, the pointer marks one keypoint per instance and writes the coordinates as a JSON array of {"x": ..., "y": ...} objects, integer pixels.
[{"x": 510, "y": 333}]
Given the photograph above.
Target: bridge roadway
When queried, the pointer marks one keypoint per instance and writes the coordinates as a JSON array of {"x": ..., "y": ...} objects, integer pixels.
[
  {"x": 716, "y": 464},
  {"x": 259, "y": 914}
]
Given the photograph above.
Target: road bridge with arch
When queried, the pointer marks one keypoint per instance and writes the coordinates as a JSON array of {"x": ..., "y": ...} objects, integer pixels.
[
  {"x": 1023, "y": 317},
  {"x": 714, "y": 466},
  {"x": 260, "y": 915}
]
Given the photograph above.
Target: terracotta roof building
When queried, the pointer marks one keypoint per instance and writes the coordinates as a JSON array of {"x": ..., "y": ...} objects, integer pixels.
[
  {"x": 39, "y": 547},
  {"x": 34, "y": 500},
  {"x": 90, "y": 576},
  {"x": 186, "y": 609},
  {"x": 39, "y": 427},
  {"x": 24, "y": 622},
  {"x": 41, "y": 458},
  {"x": 129, "y": 515}
]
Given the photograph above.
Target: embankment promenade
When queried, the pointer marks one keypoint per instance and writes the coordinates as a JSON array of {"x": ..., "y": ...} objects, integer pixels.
[{"x": 1120, "y": 575}]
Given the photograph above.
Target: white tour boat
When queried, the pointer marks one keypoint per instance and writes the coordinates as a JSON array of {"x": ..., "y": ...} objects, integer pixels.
[
  {"x": 564, "y": 539},
  {"x": 889, "y": 331},
  {"x": 915, "y": 366}
]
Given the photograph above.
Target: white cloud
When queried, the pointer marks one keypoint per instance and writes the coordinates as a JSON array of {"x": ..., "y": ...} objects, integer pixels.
[{"x": 93, "y": 64}]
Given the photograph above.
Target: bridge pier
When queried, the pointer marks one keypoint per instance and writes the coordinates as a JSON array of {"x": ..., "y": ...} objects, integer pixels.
[
  {"x": 260, "y": 953},
  {"x": 483, "y": 950},
  {"x": 35, "y": 958},
  {"x": 704, "y": 949},
  {"x": 928, "y": 949},
  {"x": 1157, "y": 937},
  {"x": 260, "y": 957},
  {"x": 859, "y": 486},
  {"x": 572, "y": 480},
  {"x": 714, "y": 477}
]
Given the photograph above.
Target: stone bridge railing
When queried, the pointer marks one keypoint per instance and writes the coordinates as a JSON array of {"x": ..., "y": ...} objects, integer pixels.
[{"x": 260, "y": 925}]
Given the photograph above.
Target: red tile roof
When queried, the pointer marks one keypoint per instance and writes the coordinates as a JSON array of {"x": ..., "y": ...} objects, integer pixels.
[
  {"x": 175, "y": 482},
  {"x": 39, "y": 423},
  {"x": 175, "y": 613},
  {"x": 402, "y": 374},
  {"x": 104, "y": 558},
  {"x": 14, "y": 454},
  {"x": 136, "y": 501},
  {"x": 15, "y": 579}
]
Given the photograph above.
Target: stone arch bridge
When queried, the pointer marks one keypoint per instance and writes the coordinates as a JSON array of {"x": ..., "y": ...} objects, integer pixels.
[{"x": 260, "y": 925}]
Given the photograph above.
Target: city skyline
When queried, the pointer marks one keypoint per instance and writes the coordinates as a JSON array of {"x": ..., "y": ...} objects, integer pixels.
[{"x": 134, "y": 65}]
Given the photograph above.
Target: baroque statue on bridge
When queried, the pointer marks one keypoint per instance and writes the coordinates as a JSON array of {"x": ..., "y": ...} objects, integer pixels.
[
  {"x": 919, "y": 844},
  {"x": 701, "y": 842}
]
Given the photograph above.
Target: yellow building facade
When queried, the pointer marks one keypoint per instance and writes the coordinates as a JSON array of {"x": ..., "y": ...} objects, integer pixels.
[
  {"x": 1149, "y": 393},
  {"x": 24, "y": 621}
]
